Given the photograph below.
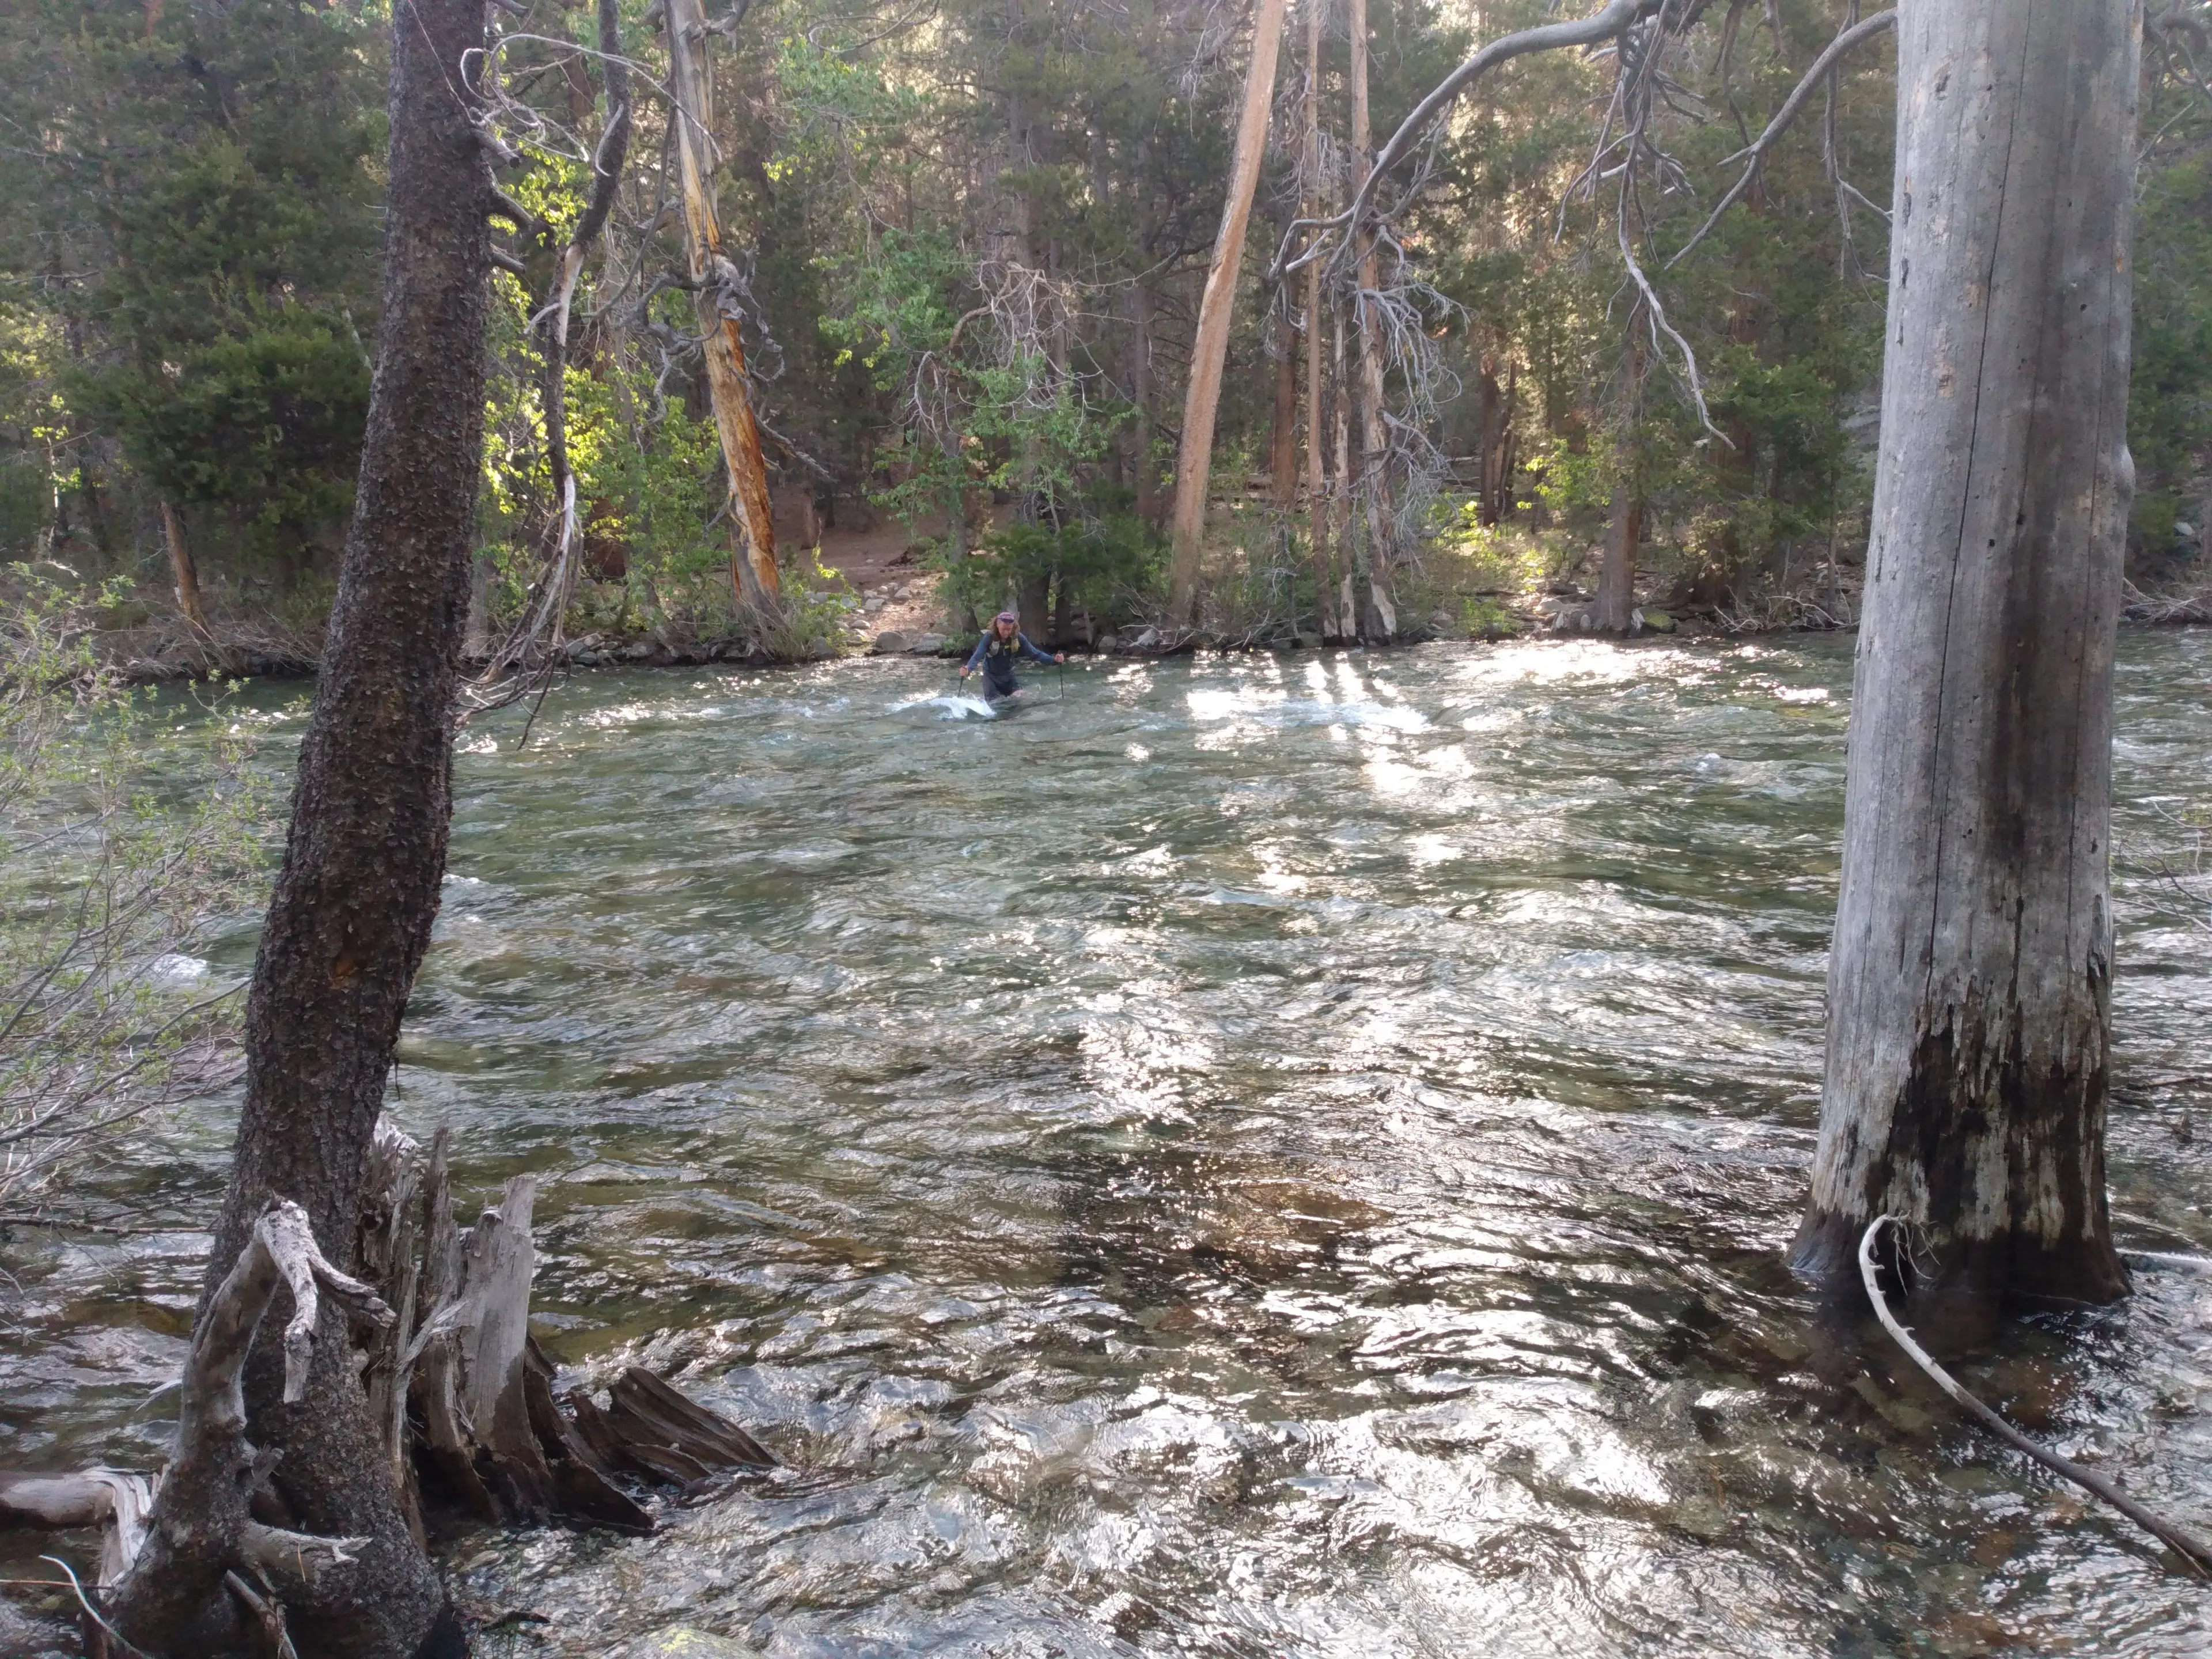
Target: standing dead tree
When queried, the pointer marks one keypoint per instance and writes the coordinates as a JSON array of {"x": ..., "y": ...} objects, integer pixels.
[
  {"x": 1969, "y": 1042},
  {"x": 719, "y": 291},
  {"x": 1209, "y": 351}
]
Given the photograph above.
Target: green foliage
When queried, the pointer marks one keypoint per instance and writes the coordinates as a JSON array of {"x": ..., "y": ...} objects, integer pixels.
[
  {"x": 127, "y": 837},
  {"x": 2170, "y": 395},
  {"x": 200, "y": 216},
  {"x": 1103, "y": 563}
]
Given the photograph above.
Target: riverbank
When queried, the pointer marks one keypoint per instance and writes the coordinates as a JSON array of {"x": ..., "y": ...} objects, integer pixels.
[{"x": 890, "y": 598}]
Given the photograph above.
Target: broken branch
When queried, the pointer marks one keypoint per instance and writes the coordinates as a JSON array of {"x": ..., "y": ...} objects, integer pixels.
[{"x": 2198, "y": 1555}]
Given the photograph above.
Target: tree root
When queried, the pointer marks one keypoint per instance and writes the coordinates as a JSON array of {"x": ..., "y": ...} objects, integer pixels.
[
  {"x": 186, "y": 1564},
  {"x": 2192, "y": 1550}
]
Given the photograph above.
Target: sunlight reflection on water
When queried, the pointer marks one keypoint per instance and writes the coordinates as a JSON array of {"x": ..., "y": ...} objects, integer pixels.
[{"x": 1269, "y": 1156}]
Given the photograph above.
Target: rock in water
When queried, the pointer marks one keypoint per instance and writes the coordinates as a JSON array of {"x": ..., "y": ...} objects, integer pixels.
[
  {"x": 890, "y": 643},
  {"x": 928, "y": 645},
  {"x": 687, "y": 1642},
  {"x": 1658, "y": 621}
]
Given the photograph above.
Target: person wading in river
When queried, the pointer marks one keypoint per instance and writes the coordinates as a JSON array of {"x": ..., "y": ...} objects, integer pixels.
[{"x": 1003, "y": 641}]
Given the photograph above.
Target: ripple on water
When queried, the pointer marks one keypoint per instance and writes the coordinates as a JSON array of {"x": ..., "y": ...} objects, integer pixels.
[{"x": 1265, "y": 1156}]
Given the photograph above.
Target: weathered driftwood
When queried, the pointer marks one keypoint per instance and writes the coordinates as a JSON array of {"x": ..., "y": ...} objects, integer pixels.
[
  {"x": 493, "y": 1437},
  {"x": 461, "y": 1392},
  {"x": 93, "y": 1497}
]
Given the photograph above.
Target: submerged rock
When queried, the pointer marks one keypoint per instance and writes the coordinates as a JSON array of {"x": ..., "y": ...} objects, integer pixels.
[
  {"x": 687, "y": 1642},
  {"x": 890, "y": 642}
]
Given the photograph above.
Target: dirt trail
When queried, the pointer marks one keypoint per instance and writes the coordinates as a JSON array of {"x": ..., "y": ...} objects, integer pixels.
[{"x": 883, "y": 561}]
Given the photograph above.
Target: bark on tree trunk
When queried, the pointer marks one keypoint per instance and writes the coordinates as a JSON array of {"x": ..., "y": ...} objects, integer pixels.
[
  {"x": 350, "y": 916},
  {"x": 1194, "y": 459},
  {"x": 753, "y": 549},
  {"x": 1492, "y": 399},
  {"x": 1615, "y": 610},
  {"x": 1352, "y": 554},
  {"x": 1968, "y": 1056},
  {"x": 1381, "y": 621},
  {"x": 1331, "y": 619},
  {"x": 1283, "y": 436},
  {"x": 1142, "y": 304},
  {"x": 186, "y": 577}
]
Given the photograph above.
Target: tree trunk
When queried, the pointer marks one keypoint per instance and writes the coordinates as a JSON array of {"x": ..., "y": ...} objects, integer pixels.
[
  {"x": 1142, "y": 305},
  {"x": 1615, "y": 610},
  {"x": 1381, "y": 621},
  {"x": 1968, "y": 1043},
  {"x": 753, "y": 546},
  {"x": 1330, "y": 620},
  {"x": 1491, "y": 399},
  {"x": 188, "y": 577},
  {"x": 1030, "y": 603},
  {"x": 1352, "y": 555},
  {"x": 1209, "y": 351},
  {"x": 1283, "y": 436},
  {"x": 351, "y": 913}
]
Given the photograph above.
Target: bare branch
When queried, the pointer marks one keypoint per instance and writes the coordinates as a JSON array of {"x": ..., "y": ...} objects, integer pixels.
[
  {"x": 1603, "y": 25},
  {"x": 1843, "y": 43},
  {"x": 2192, "y": 1550}
]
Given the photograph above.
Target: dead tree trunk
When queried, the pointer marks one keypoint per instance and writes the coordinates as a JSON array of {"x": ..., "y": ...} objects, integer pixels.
[
  {"x": 752, "y": 564},
  {"x": 170, "y": 1600},
  {"x": 1968, "y": 1056},
  {"x": 185, "y": 577},
  {"x": 494, "y": 1436},
  {"x": 351, "y": 913},
  {"x": 1209, "y": 351},
  {"x": 1380, "y": 620}
]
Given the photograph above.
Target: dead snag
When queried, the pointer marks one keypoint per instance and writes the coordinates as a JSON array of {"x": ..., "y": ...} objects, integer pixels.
[
  {"x": 1202, "y": 398},
  {"x": 1969, "y": 1062}
]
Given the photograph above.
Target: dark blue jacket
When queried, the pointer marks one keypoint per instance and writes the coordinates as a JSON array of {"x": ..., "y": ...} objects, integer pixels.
[{"x": 996, "y": 657}]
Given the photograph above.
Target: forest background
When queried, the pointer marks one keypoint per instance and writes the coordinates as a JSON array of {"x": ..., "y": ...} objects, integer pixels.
[{"x": 968, "y": 240}]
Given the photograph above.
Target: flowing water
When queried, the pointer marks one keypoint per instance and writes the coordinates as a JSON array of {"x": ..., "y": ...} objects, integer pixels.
[{"x": 1247, "y": 1157}]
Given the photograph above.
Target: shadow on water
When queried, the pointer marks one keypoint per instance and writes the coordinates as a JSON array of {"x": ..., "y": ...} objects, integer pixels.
[{"x": 1269, "y": 1156}]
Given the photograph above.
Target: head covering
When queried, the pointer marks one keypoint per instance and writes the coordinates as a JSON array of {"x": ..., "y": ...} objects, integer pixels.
[{"x": 1007, "y": 615}]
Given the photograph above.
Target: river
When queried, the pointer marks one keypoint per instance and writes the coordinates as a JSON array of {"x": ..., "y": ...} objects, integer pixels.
[{"x": 1253, "y": 1155}]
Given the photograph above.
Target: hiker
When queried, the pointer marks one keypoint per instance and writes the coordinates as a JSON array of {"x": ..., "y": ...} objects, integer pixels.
[{"x": 1002, "y": 641}]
